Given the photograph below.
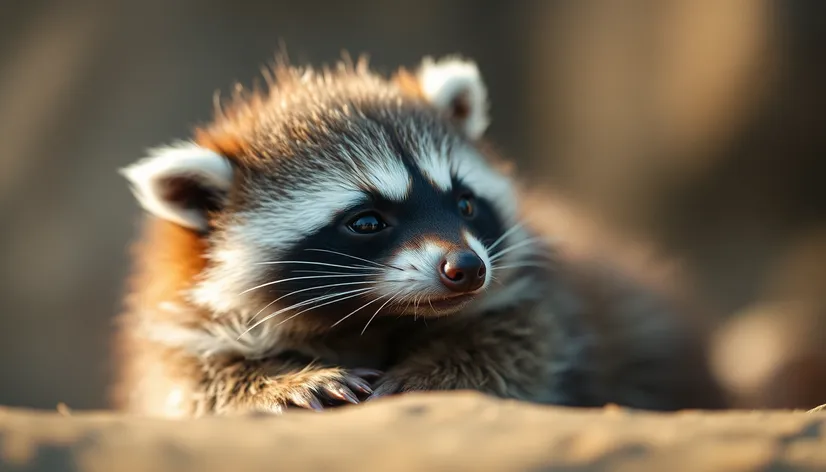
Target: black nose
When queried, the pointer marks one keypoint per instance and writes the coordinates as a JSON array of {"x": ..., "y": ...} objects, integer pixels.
[{"x": 462, "y": 271}]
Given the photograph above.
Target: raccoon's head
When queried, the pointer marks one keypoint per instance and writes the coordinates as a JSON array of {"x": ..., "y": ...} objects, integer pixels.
[{"x": 343, "y": 195}]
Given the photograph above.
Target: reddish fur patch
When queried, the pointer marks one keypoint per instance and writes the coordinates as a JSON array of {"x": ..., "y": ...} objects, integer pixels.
[
  {"x": 421, "y": 241},
  {"x": 234, "y": 125},
  {"x": 168, "y": 259},
  {"x": 226, "y": 142},
  {"x": 408, "y": 83}
]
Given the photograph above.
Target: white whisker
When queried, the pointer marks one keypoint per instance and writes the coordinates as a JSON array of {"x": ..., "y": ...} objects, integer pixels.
[
  {"x": 322, "y": 272},
  {"x": 384, "y": 266},
  {"x": 377, "y": 311},
  {"x": 304, "y": 303},
  {"x": 504, "y": 235},
  {"x": 327, "y": 303},
  {"x": 374, "y": 269},
  {"x": 317, "y": 287},
  {"x": 524, "y": 264},
  {"x": 514, "y": 247},
  {"x": 358, "y": 309},
  {"x": 300, "y": 278}
]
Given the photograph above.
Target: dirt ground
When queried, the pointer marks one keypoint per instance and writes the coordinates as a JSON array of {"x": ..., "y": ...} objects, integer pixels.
[{"x": 435, "y": 431}]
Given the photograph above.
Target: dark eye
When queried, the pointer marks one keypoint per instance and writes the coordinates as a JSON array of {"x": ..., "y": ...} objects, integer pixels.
[
  {"x": 467, "y": 206},
  {"x": 367, "y": 223}
]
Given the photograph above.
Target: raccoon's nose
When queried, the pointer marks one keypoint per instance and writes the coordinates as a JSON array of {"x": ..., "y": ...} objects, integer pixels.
[{"x": 462, "y": 271}]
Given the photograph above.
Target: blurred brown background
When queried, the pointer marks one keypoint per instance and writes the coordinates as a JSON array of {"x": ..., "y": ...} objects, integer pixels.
[{"x": 697, "y": 123}]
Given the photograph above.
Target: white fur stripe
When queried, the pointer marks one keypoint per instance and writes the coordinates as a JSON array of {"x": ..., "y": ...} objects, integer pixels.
[
  {"x": 258, "y": 233},
  {"x": 389, "y": 178},
  {"x": 419, "y": 274},
  {"x": 434, "y": 164}
]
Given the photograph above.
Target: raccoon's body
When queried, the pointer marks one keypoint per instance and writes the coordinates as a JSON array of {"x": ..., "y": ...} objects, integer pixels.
[{"x": 343, "y": 235}]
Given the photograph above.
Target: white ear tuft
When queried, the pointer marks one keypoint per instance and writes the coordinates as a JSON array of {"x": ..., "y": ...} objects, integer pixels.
[
  {"x": 455, "y": 86},
  {"x": 180, "y": 182}
]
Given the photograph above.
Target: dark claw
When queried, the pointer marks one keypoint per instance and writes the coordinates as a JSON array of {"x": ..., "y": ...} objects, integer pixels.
[
  {"x": 341, "y": 393},
  {"x": 359, "y": 384},
  {"x": 311, "y": 403},
  {"x": 366, "y": 373},
  {"x": 349, "y": 395},
  {"x": 315, "y": 404}
]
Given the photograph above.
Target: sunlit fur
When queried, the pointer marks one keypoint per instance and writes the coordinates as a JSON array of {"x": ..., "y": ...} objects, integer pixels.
[{"x": 265, "y": 298}]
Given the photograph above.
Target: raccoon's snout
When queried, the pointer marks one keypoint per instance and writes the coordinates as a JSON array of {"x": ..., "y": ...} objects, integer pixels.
[{"x": 462, "y": 271}]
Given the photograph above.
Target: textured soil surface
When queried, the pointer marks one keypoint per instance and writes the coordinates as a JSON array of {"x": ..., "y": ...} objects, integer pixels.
[{"x": 454, "y": 431}]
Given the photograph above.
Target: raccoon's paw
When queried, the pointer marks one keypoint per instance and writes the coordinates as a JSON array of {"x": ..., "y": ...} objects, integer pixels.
[
  {"x": 447, "y": 375},
  {"x": 314, "y": 389},
  {"x": 394, "y": 383},
  {"x": 386, "y": 389}
]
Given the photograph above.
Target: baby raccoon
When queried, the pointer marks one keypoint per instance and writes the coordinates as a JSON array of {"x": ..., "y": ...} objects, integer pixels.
[{"x": 344, "y": 236}]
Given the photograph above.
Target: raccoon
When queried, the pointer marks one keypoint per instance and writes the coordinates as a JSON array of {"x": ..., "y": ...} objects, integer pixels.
[{"x": 342, "y": 235}]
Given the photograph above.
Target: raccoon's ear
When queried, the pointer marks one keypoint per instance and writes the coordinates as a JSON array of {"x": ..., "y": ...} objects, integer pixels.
[
  {"x": 180, "y": 183},
  {"x": 455, "y": 86}
]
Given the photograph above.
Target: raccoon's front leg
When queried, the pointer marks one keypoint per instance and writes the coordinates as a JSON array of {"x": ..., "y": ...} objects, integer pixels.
[
  {"x": 506, "y": 358},
  {"x": 272, "y": 385}
]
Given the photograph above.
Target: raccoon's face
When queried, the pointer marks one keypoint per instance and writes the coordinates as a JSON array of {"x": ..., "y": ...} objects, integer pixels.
[{"x": 345, "y": 196}]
